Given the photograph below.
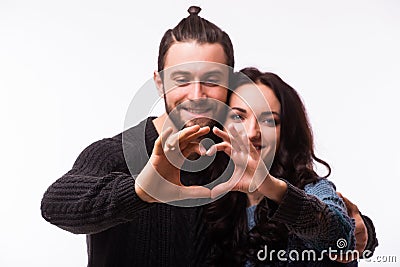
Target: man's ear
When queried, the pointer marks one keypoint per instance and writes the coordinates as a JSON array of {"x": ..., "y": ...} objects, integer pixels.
[{"x": 159, "y": 83}]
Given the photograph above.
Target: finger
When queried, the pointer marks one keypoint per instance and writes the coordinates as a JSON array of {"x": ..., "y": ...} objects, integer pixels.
[
  {"x": 224, "y": 146},
  {"x": 184, "y": 140},
  {"x": 234, "y": 139},
  {"x": 158, "y": 145},
  {"x": 178, "y": 139},
  {"x": 221, "y": 134},
  {"x": 230, "y": 186},
  {"x": 233, "y": 184},
  {"x": 237, "y": 140},
  {"x": 220, "y": 190},
  {"x": 245, "y": 143},
  {"x": 226, "y": 137},
  {"x": 361, "y": 233},
  {"x": 188, "y": 192},
  {"x": 166, "y": 134},
  {"x": 212, "y": 150},
  {"x": 171, "y": 142},
  {"x": 184, "y": 133},
  {"x": 194, "y": 147},
  {"x": 361, "y": 243},
  {"x": 202, "y": 131}
]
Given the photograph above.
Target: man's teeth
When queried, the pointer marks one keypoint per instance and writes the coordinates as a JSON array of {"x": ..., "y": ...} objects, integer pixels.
[{"x": 197, "y": 110}]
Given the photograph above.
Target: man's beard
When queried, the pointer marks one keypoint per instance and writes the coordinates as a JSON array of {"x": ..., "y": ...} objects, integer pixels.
[
  {"x": 206, "y": 175},
  {"x": 202, "y": 122},
  {"x": 217, "y": 120},
  {"x": 219, "y": 117}
]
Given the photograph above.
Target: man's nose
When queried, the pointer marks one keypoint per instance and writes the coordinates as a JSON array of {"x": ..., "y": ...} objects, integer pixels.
[{"x": 196, "y": 91}]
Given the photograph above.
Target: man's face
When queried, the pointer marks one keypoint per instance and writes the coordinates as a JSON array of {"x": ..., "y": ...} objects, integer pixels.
[{"x": 195, "y": 82}]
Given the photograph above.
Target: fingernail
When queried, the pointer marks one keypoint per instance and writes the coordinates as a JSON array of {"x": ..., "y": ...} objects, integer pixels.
[
  {"x": 202, "y": 149},
  {"x": 210, "y": 151}
]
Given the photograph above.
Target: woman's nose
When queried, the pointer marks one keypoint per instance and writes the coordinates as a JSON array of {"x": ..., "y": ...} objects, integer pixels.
[{"x": 253, "y": 130}]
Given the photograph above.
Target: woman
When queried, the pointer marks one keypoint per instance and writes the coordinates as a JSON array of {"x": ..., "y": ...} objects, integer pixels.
[{"x": 267, "y": 214}]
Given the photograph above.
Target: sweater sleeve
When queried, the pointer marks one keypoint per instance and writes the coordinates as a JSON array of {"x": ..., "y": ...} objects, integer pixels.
[
  {"x": 95, "y": 194},
  {"x": 372, "y": 241},
  {"x": 317, "y": 216}
]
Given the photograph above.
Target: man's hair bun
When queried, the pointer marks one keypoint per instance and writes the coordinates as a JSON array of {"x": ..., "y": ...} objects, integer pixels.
[{"x": 194, "y": 10}]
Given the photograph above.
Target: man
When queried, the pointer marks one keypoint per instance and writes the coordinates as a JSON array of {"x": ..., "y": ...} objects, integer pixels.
[{"x": 125, "y": 222}]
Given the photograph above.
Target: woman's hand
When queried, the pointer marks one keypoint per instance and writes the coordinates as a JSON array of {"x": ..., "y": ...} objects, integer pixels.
[
  {"x": 250, "y": 170},
  {"x": 251, "y": 173}
]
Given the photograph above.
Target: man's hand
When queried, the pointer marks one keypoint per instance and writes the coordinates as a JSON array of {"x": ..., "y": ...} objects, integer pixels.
[
  {"x": 360, "y": 231},
  {"x": 159, "y": 181}
]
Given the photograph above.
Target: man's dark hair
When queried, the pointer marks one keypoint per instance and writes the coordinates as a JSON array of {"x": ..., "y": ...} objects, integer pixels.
[{"x": 195, "y": 28}]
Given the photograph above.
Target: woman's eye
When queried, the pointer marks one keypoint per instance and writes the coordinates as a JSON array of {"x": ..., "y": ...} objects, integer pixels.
[
  {"x": 236, "y": 117},
  {"x": 271, "y": 122}
]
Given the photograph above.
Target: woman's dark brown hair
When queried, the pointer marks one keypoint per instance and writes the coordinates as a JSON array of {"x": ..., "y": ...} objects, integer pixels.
[{"x": 294, "y": 161}]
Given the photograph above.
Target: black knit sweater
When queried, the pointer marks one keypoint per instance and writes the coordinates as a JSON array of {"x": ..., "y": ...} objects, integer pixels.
[{"x": 97, "y": 198}]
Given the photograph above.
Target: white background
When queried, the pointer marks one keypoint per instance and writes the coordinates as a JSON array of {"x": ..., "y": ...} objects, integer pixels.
[{"x": 68, "y": 70}]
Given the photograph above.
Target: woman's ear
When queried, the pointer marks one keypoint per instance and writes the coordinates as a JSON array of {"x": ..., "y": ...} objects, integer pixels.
[{"x": 159, "y": 83}]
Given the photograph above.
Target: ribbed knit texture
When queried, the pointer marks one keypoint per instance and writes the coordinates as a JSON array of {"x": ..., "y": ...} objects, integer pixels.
[
  {"x": 316, "y": 218},
  {"x": 316, "y": 215},
  {"x": 372, "y": 241},
  {"x": 97, "y": 198}
]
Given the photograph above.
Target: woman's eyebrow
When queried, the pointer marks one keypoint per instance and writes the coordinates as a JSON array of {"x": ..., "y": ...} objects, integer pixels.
[
  {"x": 267, "y": 113},
  {"x": 239, "y": 109}
]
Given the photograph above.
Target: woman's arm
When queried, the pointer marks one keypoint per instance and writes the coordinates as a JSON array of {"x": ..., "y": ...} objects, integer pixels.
[{"x": 317, "y": 215}]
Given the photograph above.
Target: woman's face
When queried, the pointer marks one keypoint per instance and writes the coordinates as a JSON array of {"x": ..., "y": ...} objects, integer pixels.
[{"x": 255, "y": 111}]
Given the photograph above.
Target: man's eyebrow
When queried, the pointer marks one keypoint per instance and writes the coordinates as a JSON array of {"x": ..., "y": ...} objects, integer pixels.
[
  {"x": 180, "y": 72},
  {"x": 213, "y": 72}
]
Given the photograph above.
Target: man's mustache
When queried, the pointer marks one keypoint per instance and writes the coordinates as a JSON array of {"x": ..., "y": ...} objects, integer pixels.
[{"x": 202, "y": 104}]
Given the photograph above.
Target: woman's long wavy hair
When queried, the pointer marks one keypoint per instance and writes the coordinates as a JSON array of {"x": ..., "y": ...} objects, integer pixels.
[{"x": 233, "y": 243}]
